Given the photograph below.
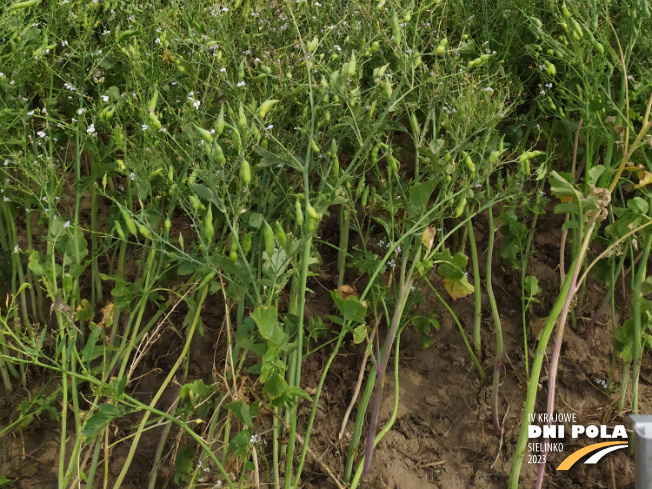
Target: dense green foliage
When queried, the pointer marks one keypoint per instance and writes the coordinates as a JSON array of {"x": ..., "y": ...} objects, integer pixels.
[{"x": 159, "y": 155}]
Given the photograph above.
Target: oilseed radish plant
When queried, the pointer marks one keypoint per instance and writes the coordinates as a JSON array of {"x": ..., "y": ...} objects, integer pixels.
[{"x": 174, "y": 174}]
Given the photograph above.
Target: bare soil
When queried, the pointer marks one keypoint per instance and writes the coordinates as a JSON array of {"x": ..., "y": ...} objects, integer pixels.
[{"x": 443, "y": 436}]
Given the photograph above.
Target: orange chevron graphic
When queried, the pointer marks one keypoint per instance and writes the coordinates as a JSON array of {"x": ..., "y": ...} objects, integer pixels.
[{"x": 574, "y": 457}]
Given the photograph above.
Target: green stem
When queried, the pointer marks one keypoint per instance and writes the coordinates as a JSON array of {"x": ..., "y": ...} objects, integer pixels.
[
  {"x": 477, "y": 363},
  {"x": 381, "y": 434},
  {"x": 636, "y": 312},
  {"x": 477, "y": 320},
  {"x": 498, "y": 362}
]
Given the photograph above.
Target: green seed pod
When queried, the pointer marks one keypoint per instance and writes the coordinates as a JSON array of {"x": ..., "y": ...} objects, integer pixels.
[
  {"x": 233, "y": 255},
  {"x": 206, "y": 280},
  {"x": 194, "y": 202},
  {"x": 374, "y": 154},
  {"x": 469, "y": 164},
  {"x": 167, "y": 224},
  {"x": 265, "y": 106},
  {"x": 193, "y": 177},
  {"x": 312, "y": 213},
  {"x": 352, "y": 65},
  {"x": 336, "y": 166},
  {"x": 144, "y": 231},
  {"x": 374, "y": 47},
  {"x": 131, "y": 225},
  {"x": 170, "y": 174},
  {"x": 268, "y": 236},
  {"x": 444, "y": 42},
  {"x": 209, "y": 230},
  {"x": 440, "y": 50},
  {"x": 372, "y": 195},
  {"x": 365, "y": 196},
  {"x": 311, "y": 225},
  {"x": 219, "y": 123},
  {"x": 280, "y": 234},
  {"x": 180, "y": 239},
  {"x": 154, "y": 120},
  {"x": 459, "y": 210},
  {"x": 565, "y": 11},
  {"x": 387, "y": 88},
  {"x": 360, "y": 188},
  {"x": 493, "y": 157},
  {"x": 119, "y": 231},
  {"x": 414, "y": 123},
  {"x": 551, "y": 68},
  {"x": 219, "y": 154},
  {"x": 242, "y": 118},
  {"x": 205, "y": 135},
  {"x": 246, "y": 242},
  {"x": 396, "y": 30},
  {"x": 298, "y": 212},
  {"x": 152, "y": 102},
  {"x": 392, "y": 165},
  {"x": 315, "y": 147},
  {"x": 312, "y": 45},
  {"x": 235, "y": 138},
  {"x": 246, "y": 172}
]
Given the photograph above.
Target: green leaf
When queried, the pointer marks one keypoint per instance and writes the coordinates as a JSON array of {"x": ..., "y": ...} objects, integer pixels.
[
  {"x": 531, "y": 285},
  {"x": 560, "y": 186},
  {"x": 255, "y": 220},
  {"x": 183, "y": 465},
  {"x": 106, "y": 413},
  {"x": 243, "y": 412},
  {"x": 207, "y": 194},
  {"x": 36, "y": 264},
  {"x": 4, "y": 482},
  {"x": 268, "y": 324},
  {"x": 567, "y": 208},
  {"x": 351, "y": 308},
  {"x": 424, "y": 325},
  {"x": 239, "y": 444},
  {"x": 460, "y": 259},
  {"x": 359, "y": 333},
  {"x": 450, "y": 271},
  {"x": 595, "y": 173},
  {"x": 275, "y": 387},
  {"x": 419, "y": 197},
  {"x": 638, "y": 205}
]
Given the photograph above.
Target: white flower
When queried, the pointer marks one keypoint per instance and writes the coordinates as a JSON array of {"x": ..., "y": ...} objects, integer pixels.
[
  {"x": 105, "y": 98},
  {"x": 16, "y": 249},
  {"x": 240, "y": 83},
  {"x": 41, "y": 134},
  {"x": 90, "y": 129},
  {"x": 66, "y": 224},
  {"x": 489, "y": 89},
  {"x": 80, "y": 111},
  {"x": 196, "y": 104},
  {"x": 144, "y": 127},
  {"x": 1, "y": 74},
  {"x": 132, "y": 176}
]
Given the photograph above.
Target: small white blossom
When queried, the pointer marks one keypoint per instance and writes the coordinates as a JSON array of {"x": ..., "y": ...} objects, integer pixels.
[{"x": 90, "y": 129}]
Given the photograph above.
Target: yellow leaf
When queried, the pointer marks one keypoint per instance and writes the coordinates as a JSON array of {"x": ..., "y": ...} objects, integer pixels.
[
  {"x": 458, "y": 288},
  {"x": 644, "y": 177}
]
